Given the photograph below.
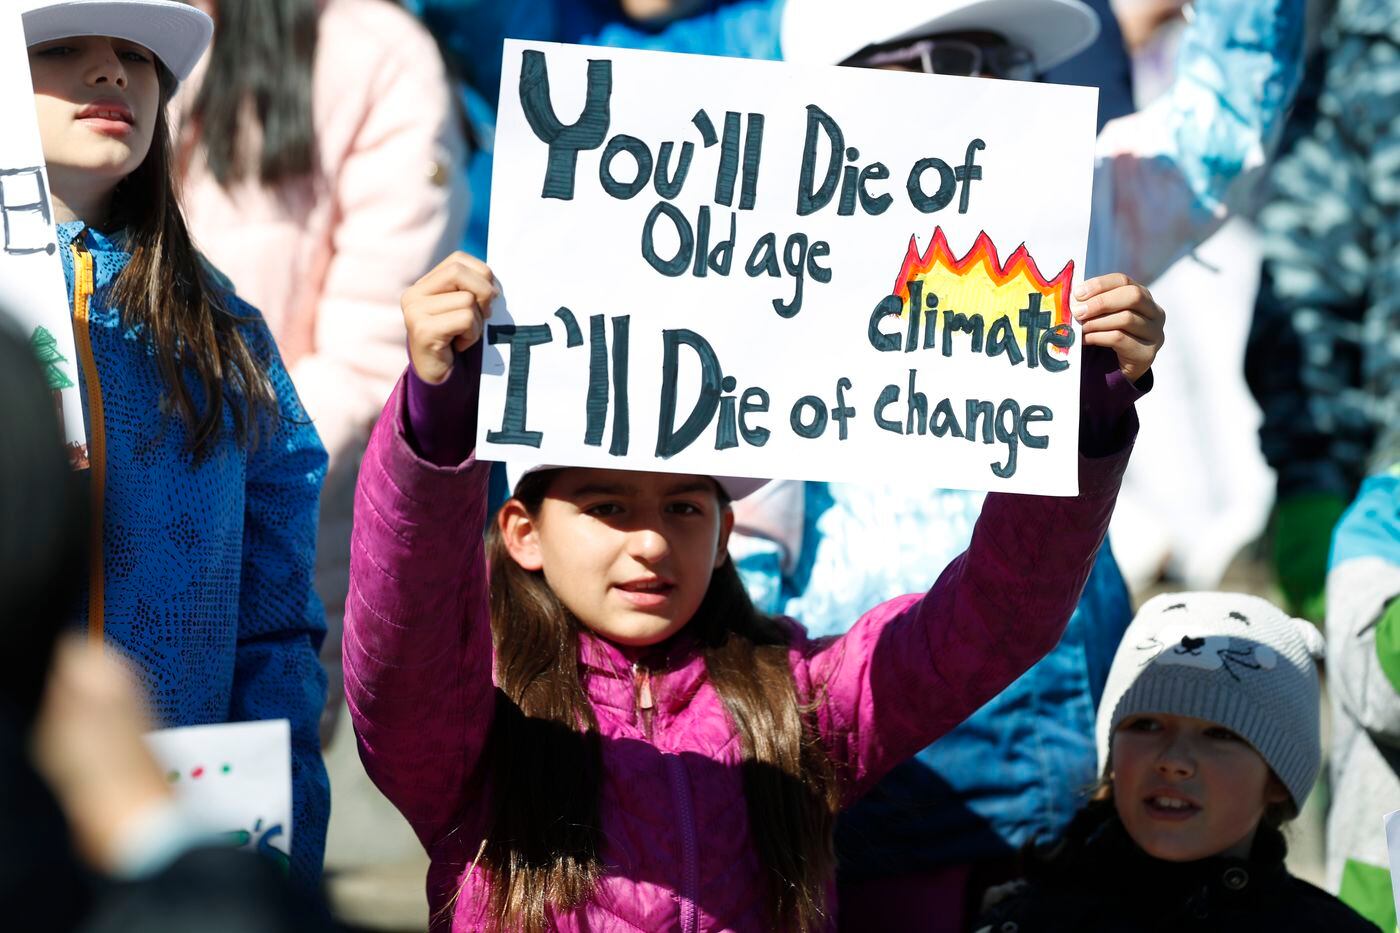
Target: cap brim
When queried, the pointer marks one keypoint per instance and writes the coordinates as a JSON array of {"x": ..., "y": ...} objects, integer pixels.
[
  {"x": 735, "y": 487},
  {"x": 1053, "y": 31},
  {"x": 175, "y": 32}
]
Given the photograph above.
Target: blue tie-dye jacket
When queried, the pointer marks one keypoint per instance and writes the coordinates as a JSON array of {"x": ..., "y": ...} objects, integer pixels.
[{"x": 207, "y": 567}]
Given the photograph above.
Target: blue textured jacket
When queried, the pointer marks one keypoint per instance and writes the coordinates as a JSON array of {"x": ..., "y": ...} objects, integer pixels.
[{"x": 207, "y": 568}]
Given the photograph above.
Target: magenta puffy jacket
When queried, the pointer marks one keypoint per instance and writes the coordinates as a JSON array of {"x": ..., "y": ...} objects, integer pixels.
[{"x": 675, "y": 827}]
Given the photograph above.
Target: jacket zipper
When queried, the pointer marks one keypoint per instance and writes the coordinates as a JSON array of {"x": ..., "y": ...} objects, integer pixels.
[
  {"x": 690, "y": 846},
  {"x": 641, "y": 687},
  {"x": 97, "y": 437},
  {"x": 680, "y": 797}
]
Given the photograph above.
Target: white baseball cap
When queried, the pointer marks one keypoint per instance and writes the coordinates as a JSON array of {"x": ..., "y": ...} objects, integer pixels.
[
  {"x": 831, "y": 31},
  {"x": 735, "y": 487},
  {"x": 176, "y": 32}
]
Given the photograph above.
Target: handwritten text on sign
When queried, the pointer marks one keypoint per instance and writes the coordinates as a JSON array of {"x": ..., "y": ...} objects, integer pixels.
[
  {"x": 32, "y": 293},
  {"x": 754, "y": 269}
]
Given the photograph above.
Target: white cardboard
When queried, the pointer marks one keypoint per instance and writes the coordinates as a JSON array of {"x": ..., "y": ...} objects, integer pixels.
[
  {"x": 585, "y": 253},
  {"x": 1392, "y": 842},
  {"x": 234, "y": 778},
  {"x": 32, "y": 291}
]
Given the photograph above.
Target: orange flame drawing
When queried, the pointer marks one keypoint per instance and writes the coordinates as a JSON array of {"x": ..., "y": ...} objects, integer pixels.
[{"x": 979, "y": 283}]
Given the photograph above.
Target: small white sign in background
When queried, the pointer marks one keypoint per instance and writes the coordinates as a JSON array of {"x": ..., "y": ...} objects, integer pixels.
[{"x": 235, "y": 778}]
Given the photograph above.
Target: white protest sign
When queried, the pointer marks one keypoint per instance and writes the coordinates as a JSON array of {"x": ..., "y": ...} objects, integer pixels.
[
  {"x": 32, "y": 291},
  {"x": 236, "y": 778},
  {"x": 749, "y": 268}
]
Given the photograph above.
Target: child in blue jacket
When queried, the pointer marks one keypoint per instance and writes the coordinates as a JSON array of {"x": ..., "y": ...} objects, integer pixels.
[{"x": 205, "y": 470}]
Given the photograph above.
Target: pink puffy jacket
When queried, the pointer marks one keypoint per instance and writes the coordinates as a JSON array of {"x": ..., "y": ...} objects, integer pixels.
[
  {"x": 418, "y": 662},
  {"x": 325, "y": 260}
]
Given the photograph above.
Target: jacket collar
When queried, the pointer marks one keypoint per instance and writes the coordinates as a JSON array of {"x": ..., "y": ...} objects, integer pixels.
[
  {"x": 1119, "y": 864},
  {"x": 675, "y": 667}
]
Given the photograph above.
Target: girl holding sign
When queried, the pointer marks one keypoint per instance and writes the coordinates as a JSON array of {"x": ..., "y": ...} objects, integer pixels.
[
  {"x": 609, "y": 735},
  {"x": 205, "y": 470}
]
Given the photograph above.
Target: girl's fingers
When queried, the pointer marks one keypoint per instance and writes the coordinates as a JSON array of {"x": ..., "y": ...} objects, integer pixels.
[
  {"x": 434, "y": 305},
  {"x": 1122, "y": 297},
  {"x": 461, "y": 327},
  {"x": 458, "y": 272},
  {"x": 1090, "y": 287},
  {"x": 1130, "y": 321}
]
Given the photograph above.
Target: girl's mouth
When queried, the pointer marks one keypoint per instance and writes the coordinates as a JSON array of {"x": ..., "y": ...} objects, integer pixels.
[
  {"x": 1170, "y": 808},
  {"x": 107, "y": 117},
  {"x": 646, "y": 594}
]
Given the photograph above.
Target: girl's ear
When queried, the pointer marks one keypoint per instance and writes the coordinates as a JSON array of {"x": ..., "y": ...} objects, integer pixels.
[
  {"x": 521, "y": 535},
  {"x": 726, "y": 525},
  {"x": 1275, "y": 792}
]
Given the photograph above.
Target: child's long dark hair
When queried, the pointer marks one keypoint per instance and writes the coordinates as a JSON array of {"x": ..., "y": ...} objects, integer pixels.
[
  {"x": 167, "y": 289},
  {"x": 261, "y": 67},
  {"x": 542, "y": 848}
]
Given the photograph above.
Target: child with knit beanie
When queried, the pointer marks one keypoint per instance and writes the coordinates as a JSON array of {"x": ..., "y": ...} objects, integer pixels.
[{"x": 1209, "y": 737}]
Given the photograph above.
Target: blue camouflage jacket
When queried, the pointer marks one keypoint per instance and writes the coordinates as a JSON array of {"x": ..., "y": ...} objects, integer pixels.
[
  {"x": 1324, "y": 352},
  {"x": 207, "y": 567}
]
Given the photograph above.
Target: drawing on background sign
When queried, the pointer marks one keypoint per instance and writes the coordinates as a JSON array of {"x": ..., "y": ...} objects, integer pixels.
[
  {"x": 237, "y": 778},
  {"x": 259, "y": 839},
  {"x": 24, "y": 207},
  {"x": 32, "y": 291}
]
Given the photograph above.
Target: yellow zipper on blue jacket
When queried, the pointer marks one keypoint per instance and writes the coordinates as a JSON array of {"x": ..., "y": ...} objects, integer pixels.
[{"x": 97, "y": 438}]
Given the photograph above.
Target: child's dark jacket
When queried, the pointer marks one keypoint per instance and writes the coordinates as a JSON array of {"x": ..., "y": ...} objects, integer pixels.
[{"x": 1099, "y": 881}]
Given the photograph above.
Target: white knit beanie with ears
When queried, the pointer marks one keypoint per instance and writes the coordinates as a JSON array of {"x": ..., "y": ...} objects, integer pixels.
[{"x": 1227, "y": 658}]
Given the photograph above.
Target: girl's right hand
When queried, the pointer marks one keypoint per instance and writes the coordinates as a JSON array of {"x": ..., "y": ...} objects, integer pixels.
[{"x": 445, "y": 313}]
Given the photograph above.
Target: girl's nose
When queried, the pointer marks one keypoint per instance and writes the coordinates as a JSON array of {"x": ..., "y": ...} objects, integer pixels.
[
  {"x": 649, "y": 545},
  {"x": 108, "y": 68}
]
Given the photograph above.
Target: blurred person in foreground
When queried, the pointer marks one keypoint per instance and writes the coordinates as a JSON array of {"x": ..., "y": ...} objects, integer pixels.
[
  {"x": 90, "y": 836},
  {"x": 947, "y": 822},
  {"x": 1324, "y": 358}
]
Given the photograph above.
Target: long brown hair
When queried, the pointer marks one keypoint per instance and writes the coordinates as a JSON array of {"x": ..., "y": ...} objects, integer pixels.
[
  {"x": 259, "y": 79},
  {"x": 542, "y": 848},
  {"x": 167, "y": 289}
]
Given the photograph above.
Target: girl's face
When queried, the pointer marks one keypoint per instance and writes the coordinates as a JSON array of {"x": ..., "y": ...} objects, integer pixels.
[
  {"x": 1189, "y": 789},
  {"x": 97, "y": 100},
  {"x": 630, "y": 554}
]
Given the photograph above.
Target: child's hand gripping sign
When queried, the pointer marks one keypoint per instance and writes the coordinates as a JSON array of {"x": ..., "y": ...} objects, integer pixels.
[{"x": 748, "y": 268}]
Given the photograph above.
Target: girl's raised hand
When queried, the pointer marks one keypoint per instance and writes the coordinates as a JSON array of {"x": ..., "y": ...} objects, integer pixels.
[
  {"x": 1119, "y": 314},
  {"x": 445, "y": 313}
]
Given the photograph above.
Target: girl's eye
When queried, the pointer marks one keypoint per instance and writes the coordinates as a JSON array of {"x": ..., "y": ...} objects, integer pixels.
[
  {"x": 134, "y": 56},
  {"x": 684, "y": 508},
  {"x": 55, "y": 51},
  {"x": 1220, "y": 732},
  {"x": 604, "y": 510},
  {"x": 1142, "y": 724}
]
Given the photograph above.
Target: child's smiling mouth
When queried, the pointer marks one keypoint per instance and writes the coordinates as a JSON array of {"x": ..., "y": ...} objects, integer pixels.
[{"x": 1170, "y": 807}]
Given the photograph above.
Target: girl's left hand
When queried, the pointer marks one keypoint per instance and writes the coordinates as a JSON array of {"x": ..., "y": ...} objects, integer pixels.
[{"x": 1118, "y": 313}]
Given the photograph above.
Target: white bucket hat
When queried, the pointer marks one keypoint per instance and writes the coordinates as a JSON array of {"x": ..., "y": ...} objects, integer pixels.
[
  {"x": 830, "y": 31},
  {"x": 735, "y": 487},
  {"x": 176, "y": 32}
]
